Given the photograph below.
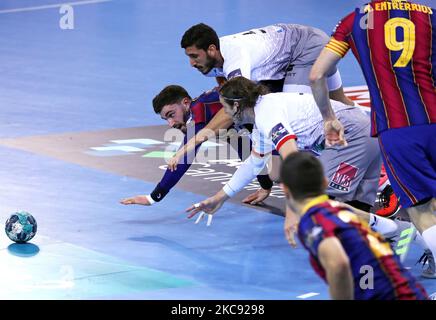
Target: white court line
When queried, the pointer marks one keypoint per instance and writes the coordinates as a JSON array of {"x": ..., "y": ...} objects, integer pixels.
[
  {"x": 308, "y": 295},
  {"x": 50, "y": 6}
]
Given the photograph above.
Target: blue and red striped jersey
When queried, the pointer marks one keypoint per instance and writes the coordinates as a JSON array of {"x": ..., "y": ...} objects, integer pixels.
[
  {"x": 204, "y": 107},
  {"x": 395, "y": 44},
  {"x": 203, "y": 110},
  {"x": 365, "y": 249}
]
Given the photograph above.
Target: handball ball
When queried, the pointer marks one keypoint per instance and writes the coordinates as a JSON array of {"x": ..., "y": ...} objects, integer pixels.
[{"x": 21, "y": 227}]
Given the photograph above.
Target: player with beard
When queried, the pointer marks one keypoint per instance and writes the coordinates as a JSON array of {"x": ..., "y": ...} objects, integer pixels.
[{"x": 175, "y": 106}]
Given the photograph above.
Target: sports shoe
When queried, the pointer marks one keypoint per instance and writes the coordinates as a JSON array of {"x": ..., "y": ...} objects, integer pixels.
[
  {"x": 432, "y": 296},
  {"x": 388, "y": 204},
  {"x": 428, "y": 259},
  {"x": 401, "y": 238},
  {"x": 383, "y": 181}
]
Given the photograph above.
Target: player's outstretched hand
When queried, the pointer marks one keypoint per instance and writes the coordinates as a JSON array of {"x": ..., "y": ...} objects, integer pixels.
[
  {"x": 209, "y": 206},
  {"x": 141, "y": 199},
  {"x": 173, "y": 162},
  {"x": 291, "y": 227},
  {"x": 334, "y": 133},
  {"x": 257, "y": 197}
]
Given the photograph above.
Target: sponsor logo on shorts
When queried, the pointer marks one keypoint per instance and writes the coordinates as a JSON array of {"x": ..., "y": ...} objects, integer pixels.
[
  {"x": 278, "y": 133},
  {"x": 343, "y": 177}
]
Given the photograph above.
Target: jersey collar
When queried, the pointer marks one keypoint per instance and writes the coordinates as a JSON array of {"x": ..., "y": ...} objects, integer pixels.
[
  {"x": 216, "y": 72},
  {"x": 314, "y": 202}
]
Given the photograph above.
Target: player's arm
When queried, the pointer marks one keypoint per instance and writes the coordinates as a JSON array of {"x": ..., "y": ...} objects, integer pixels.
[
  {"x": 324, "y": 66},
  {"x": 336, "y": 264},
  {"x": 291, "y": 226},
  {"x": 220, "y": 121},
  {"x": 326, "y": 62},
  {"x": 291, "y": 220},
  {"x": 288, "y": 147},
  {"x": 168, "y": 181},
  {"x": 333, "y": 128},
  {"x": 251, "y": 167}
]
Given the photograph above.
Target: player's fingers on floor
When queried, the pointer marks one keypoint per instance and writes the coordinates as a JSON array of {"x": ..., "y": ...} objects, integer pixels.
[
  {"x": 193, "y": 213},
  {"x": 249, "y": 198}
]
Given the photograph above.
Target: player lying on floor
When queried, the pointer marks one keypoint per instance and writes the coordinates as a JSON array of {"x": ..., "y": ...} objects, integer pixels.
[
  {"x": 175, "y": 106},
  {"x": 279, "y": 56},
  {"x": 296, "y": 124}
]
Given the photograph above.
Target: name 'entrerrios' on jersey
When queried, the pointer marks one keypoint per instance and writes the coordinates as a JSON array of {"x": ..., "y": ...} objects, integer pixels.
[{"x": 392, "y": 42}]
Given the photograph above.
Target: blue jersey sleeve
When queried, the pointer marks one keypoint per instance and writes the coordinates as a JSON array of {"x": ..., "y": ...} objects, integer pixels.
[{"x": 171, "y": 178}]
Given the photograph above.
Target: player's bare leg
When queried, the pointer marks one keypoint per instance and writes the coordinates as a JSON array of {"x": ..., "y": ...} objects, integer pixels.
[
  {"x": 423, "y": 216},
  {"x": 424, "y": 219}
]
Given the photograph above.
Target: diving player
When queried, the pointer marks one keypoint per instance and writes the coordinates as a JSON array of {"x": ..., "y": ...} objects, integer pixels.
[
  {"x": 175, "y": 106},
  {"x": 296, "y": 125}
]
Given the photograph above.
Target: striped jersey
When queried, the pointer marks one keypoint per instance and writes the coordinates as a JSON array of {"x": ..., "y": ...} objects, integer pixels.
[
  {"x": 204, "y": 108},
  {"x": 395, "y": 45},
  {"x": 369, "y": 254}
]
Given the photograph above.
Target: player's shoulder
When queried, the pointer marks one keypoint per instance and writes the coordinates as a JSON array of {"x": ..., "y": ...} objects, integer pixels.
[
  {"x": 261, "y": 108},
  {"x": 270, "y": 98},
  {"x": 209, "y": 96},
  {"x": 341, "y": 213},
  {"x": 327, "y": 210},
  {"x": 268, "y": 108}
]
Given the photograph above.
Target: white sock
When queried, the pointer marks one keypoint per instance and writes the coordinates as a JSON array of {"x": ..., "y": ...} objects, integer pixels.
[
  {"x": 382, "y": 225},
  {"x": 429, "y": 237},
  {"x": 420, "y": 241}
]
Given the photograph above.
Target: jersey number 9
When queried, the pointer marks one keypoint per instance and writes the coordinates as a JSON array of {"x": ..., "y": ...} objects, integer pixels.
[{"x": 408, "y": 43}]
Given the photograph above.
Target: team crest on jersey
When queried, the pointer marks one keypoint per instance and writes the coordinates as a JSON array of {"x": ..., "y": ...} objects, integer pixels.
[
  {"x": 343, "y": 177},
  {"x": 278, "y": 133},
  {"x": 234, "y": 74},
  {"x": 312, "y": 235}
]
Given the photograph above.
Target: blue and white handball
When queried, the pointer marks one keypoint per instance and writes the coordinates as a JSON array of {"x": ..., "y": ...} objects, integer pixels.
[{"x": 21, "y": 227}]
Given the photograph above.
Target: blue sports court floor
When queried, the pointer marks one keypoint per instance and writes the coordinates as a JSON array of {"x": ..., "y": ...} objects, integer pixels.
[{"x": 77, "y": 134}]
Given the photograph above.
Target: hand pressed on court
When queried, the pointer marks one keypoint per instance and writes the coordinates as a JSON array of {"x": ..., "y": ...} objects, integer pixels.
[
  {"x": 257, "y": 197},
  {"x": 334, "y": 133},
  {"x": 140, "y": 199}
]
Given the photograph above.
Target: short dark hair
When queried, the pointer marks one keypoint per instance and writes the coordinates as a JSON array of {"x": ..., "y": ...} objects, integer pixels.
[
  {"x": 169, "y": 95},
  {"x": 200, "y": 35},
  {"x": 303, "y": 174}
]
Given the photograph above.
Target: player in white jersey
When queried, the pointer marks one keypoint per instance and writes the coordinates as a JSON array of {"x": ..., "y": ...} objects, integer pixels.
[
  {"x": 279, "y": 56},
  {"x": 271, "y": 54},
  {"x": 291, "y": 122}
]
